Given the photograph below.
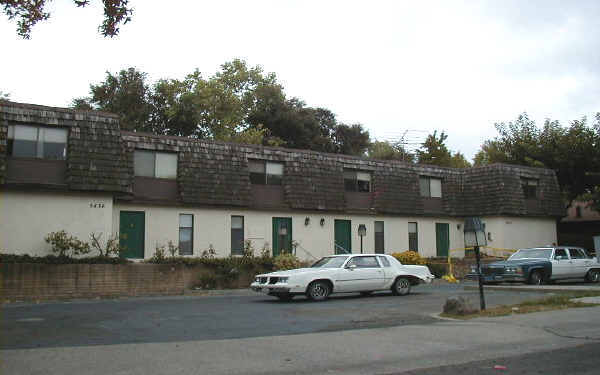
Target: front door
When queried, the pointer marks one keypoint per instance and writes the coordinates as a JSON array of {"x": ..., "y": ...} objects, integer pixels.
[
  {"x": 282, "y": 235},
  {"x": 361, "y": 273},
  {"x": 131, "y": 233},
  {"x": 561, "y": 264},
  {"x": 342, "y": 237},
  {"x": 442, "y": 239}
]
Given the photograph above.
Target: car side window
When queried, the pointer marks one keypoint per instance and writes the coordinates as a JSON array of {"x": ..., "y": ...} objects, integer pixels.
[
  {"x": 364, "y": 262},
  {"x": 560, "y": 253},
  {"x": 576, "y": 254},
  {"x": 384, "y": 261}
]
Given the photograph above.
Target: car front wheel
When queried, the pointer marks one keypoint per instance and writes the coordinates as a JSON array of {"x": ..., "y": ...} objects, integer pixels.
[
  {"x": 401, "y": 286},
  {"x": 593, "y": 276},
  {"x": 318, "y": 291}
]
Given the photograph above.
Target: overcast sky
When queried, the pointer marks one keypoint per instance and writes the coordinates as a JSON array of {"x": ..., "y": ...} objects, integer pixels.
[{"x": 457, "y": 66}]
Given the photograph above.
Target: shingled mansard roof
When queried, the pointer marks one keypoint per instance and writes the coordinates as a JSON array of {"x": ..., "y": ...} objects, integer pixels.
[{"x": 100, "y": 158}]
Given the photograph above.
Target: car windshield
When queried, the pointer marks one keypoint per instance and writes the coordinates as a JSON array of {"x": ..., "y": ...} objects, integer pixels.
[
  {"x": 532, "y": 254},
  {"x": 330, "y": 262}
]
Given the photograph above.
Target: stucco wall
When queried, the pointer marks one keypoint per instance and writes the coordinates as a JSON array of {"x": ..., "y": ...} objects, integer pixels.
[
  {"x": 27, "y": 217},
  {"x": 518, "y": 233},
  {"x": 213, "y": 227}
]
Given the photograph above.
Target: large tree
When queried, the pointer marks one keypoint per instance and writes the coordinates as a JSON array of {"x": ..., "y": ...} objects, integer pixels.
[
  {"x": 127, "y": 94},
  {"x": 572, "y": 151},
  {"x": 389, "y": 151},
  {"x": 29, "y": 12}
]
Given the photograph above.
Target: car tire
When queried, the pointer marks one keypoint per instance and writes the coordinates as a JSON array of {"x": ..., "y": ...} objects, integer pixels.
[
  {"x": 401, "y": 286},
  {"x": 536, "y": 278},
  {"x": 366, "y": 294},
  {"x": 593, "y": 276},
  {"x": 318, "y": 291},
  {"x": 285, "y": 297}
]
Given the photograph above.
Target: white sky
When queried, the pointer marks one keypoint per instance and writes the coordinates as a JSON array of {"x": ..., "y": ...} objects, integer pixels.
[{"x": 457, "y": 66}]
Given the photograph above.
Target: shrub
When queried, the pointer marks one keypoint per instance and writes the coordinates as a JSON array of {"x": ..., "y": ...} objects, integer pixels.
[
  {"x": 65, "y": 245},
  {"x": 286, "y": 261},
  {"x": 111, "y": 248},
  {"x": 209, "y": 253},
  {"x": 409, "y": 257},
  {"x": 437, "y": 269},
  {"x": 53, "y": 259},
  {"x": 265, "y": 252},
  {"x": 248, "y": 249}
]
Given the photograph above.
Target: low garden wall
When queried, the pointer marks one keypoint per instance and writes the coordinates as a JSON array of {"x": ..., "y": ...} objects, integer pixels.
[{"x": 38, "y": 282}]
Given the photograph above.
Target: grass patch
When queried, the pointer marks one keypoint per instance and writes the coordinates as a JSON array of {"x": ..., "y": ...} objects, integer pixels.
[{"x": 555, "y": 302}]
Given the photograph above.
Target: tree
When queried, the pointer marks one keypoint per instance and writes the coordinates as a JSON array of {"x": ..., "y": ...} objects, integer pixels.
[
  {"x": 434, "y": 150},
  {"x": 458, "y": 160},
  {"x": 573, "y": 152},
  {"x": 28, "y": 13},
  {"x": 351, "y": 139},
  {"x": 126, "y": 94},
  {"x": 389, "y": 151}
]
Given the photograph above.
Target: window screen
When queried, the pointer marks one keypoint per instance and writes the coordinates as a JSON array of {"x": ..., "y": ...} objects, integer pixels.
[
  {"x": 357, "y": 181},
  {"x": 28, "y": 141},
  {"x": 413, "y": 237},
  {"x": 155, "y": 164},
  {"x": 265, "y": 172},
  {"x": 430, "y": 187},
  {"x": 529, "y": 188},
  {"x": 166, "y": 165},
  {"x": 379, "y": 237},
  {"x": 186, "y": 234},
  {"x": 237, "y": 235}
]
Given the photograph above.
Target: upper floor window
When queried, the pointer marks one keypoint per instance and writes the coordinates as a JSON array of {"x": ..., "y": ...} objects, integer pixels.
[
  {"x": 430, "y": 187},
  {"x": 265, "y": 172},
  {"x": 29, "y": 141},
  {"x": 155, "y": 164},
  {"x": 357, "y": 181},
  {"x": 529, "y": 186}
]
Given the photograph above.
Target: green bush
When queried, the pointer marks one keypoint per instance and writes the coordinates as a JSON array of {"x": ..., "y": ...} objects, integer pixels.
[
  {"x": 438, "y": 269},
  {"x": 287, "y": 261},
  {"x": 65, "y": 245},
  {"x": 53, "y": 259}
]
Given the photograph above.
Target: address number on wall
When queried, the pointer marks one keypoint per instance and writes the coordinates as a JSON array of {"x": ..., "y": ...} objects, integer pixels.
[{"x": 96, "y": 205}]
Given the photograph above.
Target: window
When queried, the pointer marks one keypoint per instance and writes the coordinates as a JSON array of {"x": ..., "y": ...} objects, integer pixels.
[
  {"x": 413, "y": 237},
  {"x": 237, "y": 235},
  {"x": 529, "y": 188},
  {"x": 155, "y": 164},
  {"x": 265, "y": 172},
  {"x": 363, "y": 262},
  {"x": 560, "y": 253},
  {"x": 357, "y": 181},
  {"x": 430, "y": 187},
  {"x": 186, "y": 234},
  {"x": 27, "y": 141},
  {"x": 379, "y": 236},
  {"x": 384, "y": 262},
  {"x": 577, "y": 254}
]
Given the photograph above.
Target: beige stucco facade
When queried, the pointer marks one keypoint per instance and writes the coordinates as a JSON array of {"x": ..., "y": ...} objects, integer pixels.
[{"x": 26, "y": 217}]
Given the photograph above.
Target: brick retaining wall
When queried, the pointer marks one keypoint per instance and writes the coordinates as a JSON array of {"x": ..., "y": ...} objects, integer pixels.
[{"x": 32, "y": 281}]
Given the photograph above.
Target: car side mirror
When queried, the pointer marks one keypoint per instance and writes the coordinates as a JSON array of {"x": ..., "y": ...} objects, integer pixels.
[{"x": 351, "y": 267}]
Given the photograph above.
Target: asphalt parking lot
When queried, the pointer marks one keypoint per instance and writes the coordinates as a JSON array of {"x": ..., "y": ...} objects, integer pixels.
[{"x": 186, "y": 318}]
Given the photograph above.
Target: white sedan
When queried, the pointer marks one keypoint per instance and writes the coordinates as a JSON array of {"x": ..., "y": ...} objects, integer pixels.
[{"x": 364, "y": 273}]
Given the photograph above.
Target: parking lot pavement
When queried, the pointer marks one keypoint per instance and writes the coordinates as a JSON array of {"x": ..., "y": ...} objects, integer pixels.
[{"x": 187, "y": 318}]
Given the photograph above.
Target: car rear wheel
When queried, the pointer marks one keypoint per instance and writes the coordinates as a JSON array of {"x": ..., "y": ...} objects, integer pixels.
[
  {"x": 401, "y": 286},
  {"x": 318, "y": 291},
  {"x": 593, "y": 276},
  {"x": 536, "y": 278}
]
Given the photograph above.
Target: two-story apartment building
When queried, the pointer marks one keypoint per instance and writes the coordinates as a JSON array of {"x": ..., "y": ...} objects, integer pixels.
[{"x": 77, "y": 171}]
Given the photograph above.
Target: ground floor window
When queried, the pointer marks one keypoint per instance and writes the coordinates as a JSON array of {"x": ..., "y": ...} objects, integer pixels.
[
  {"x": 413, "y": 237},
  {"x": 186, "y": 234},
  {"x": 237, "y": 235},
  {"x": 379, "y": 237}
]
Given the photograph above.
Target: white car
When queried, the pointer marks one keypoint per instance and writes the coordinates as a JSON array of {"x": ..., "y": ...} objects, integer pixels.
[{"x": 364, "y": 273}]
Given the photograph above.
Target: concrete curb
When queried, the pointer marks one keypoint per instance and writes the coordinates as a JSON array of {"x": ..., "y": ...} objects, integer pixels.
[{"x": 538, "y": 288}]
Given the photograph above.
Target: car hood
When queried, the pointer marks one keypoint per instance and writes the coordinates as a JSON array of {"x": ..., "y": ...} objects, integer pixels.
[
  {"x": 298, "y": 271},
  {"x": 514, "y": 263}
]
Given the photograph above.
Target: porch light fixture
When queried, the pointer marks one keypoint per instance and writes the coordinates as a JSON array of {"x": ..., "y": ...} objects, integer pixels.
[
  {"x": 322, "y": 222},
  {"x": 362, "y": 231},
  {"x": 475, "y": 237},
  {"x": 307, "y": 221}
]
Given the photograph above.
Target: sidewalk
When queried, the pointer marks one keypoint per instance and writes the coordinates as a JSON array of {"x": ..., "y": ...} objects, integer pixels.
[
  {"x": 539, "y": 288},
  {"x": 365, "y": 351}
]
